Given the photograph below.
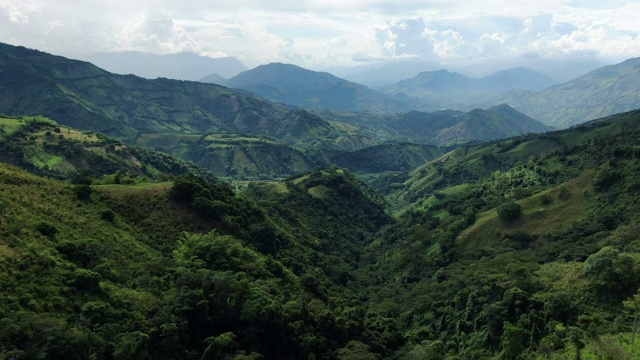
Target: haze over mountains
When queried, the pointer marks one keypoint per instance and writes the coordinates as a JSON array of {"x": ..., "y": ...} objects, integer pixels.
[{"x": 182, "y": 66}]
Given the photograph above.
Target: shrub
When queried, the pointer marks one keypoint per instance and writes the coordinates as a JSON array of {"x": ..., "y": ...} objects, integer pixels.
[
  {"x": 509, "y": 211},
  {"x": 83, "y": 192},
  {"x": 47, "y": 229},
  {"x": 108, "y": 215}
]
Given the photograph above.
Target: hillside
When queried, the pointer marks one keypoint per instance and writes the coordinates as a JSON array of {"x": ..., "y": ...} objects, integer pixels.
[
  {"x": 605, "y": 91},
  {"x": 83, "y": 96},
  {"x": 297, "y": 86},
  {"x": 46, "y": 148},
  {"x": 147, "y": 271},
  {"x": 537, "y": 258},
  {"x": 518, "y": 248}
]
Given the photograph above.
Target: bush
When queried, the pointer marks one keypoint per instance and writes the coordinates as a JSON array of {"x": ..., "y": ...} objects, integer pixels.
[
  {"x": 47, "y": 230},
  {"x": 83, "y": 192},
  {"x": 108, "y": 215},
  {"x": 509, "y": 211}
]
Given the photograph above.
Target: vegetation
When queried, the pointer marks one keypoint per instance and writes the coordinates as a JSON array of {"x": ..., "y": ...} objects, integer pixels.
[{"x": 524, "y": 248}]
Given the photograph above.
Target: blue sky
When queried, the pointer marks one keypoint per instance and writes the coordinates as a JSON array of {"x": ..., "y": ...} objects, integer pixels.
[{"x": 322, "y": 33}]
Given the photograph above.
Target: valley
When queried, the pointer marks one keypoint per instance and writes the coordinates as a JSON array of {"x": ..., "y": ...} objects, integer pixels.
[{"x": 318, "y": 218}]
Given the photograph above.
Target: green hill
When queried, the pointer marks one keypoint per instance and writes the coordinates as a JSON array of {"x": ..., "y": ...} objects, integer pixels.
[{"x": 44, "y": 147}]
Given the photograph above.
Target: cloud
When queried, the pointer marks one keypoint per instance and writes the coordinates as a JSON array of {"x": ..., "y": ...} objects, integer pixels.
[
  {"x": 317, "y": 33},
  {"x": 406, "y": 38}
]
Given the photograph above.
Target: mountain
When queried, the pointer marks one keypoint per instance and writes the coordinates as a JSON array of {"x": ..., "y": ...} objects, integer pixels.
[
  {"x": 382, "y": 74},
  {"x": 433, "y": 90},
  {"x": 83, "y": 96},
  {"x": 602, "y": 92},
  {"x": 213, "y": 79},
  {"x": 454, "y": 127},
  {"x": 297, "y": 86},
  {"x": 517, "y": 78},
  {"x": 181, "y": 66}
]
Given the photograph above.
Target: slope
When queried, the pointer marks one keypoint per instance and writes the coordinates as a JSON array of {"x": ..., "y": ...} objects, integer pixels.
[
  {"x": 182, "y": 271},
  {"x": 82, "y": 96},
  {"x": 46, "y": 148}
]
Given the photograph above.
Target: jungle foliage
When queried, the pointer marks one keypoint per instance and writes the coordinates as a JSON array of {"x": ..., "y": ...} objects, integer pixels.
[{"x": 316, "y": 267}]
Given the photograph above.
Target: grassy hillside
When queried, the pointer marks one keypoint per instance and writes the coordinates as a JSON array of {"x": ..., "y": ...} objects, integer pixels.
[{"x": 44, "y": 147}]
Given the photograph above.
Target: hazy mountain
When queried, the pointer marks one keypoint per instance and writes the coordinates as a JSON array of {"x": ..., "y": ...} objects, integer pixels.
[
  {"x": 297, "y": 86},
  {"x": 383, "y": 74},
  {"x": 213, "y": 79},
  {"x": 182, "y": 66},
  {"x": 517, "y": 78},
  {"x": 608, "y": 90},
  {"x": 432, "y": 90}
]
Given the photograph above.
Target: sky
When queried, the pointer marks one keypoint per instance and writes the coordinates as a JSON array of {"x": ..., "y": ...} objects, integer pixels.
[{"x": 326, "y": 33}]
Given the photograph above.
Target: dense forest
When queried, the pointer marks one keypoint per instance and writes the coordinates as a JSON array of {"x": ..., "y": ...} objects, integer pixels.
[{"x": 524, "y": 248}]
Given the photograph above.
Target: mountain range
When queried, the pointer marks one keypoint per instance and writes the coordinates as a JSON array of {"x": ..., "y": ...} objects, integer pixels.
[
  {"x": 263, "y": 139},
  {"x": 293, "y": 85},
  {"x": 454, "y": 234},
  {"x": 181, "y": 66},
  {"x": 608, "y": 90}
]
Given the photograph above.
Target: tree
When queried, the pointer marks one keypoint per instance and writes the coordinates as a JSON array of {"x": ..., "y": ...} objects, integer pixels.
[{"x": 509, "y": 211}]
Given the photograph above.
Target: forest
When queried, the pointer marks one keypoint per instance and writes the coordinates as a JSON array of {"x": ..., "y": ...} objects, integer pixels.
[{"x": 524, "y": 248}]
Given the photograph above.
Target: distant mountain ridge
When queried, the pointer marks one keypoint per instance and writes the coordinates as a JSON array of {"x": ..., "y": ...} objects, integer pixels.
[
  {"x": 180, "y": 66},
  {"x": 605, "y": 91},
  {"x": 456, "y": 127},
  {"x": 433, "y": 90},
  {"x": 294, "y": 85}
]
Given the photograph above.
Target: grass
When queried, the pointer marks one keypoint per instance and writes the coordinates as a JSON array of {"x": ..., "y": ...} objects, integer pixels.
[
  {"x": 536, "y": 217},
  {"x": 9, "y": 126},
  {"x": 319, "y": 191}
]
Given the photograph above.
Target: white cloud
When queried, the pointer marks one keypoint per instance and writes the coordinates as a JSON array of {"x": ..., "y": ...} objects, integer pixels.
[{"x": 318, "y": 33}]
